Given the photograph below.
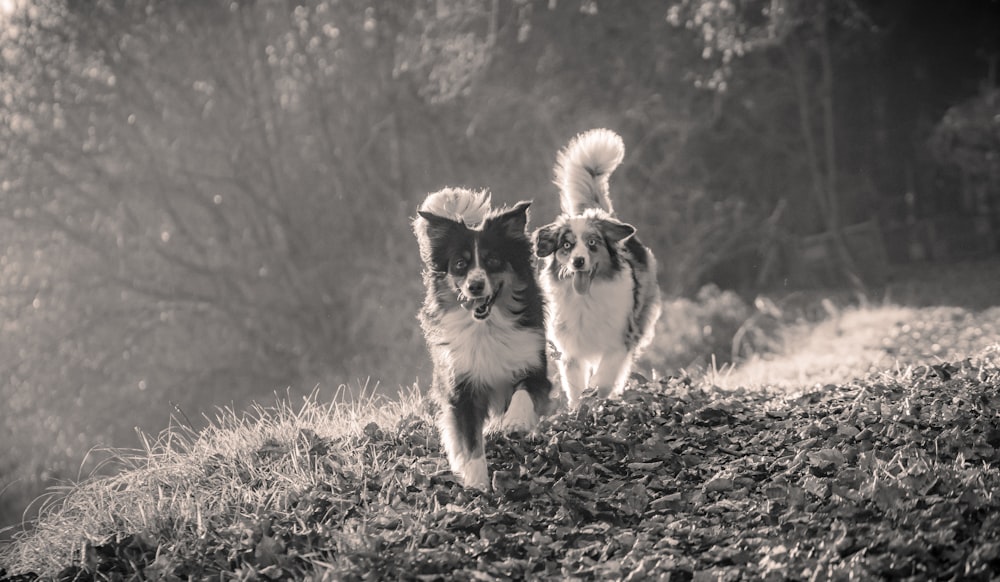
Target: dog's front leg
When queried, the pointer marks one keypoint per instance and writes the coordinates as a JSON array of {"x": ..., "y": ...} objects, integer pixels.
[
  {"x": 612, "y": 373},
  {"x": 462, "y": 432},
  {"x": 530, "y": 401},
  {"x": 574, "y": 379},
  {"x": 520, "y": 415}
]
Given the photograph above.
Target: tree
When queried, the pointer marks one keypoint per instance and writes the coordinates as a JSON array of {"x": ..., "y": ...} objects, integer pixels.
[
  {"x": 968, "y": 138},
  {"x": 202, "y": 204},
  {"x": 559, "y": 71},
  {"x": 784, "y": 52}
]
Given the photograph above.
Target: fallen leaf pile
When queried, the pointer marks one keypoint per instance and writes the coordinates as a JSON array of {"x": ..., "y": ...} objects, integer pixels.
[
  {"x": 894, "y": 476},
  {"x": 890, "y": 476}
]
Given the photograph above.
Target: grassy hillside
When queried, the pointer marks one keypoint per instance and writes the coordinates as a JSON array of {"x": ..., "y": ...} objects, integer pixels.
[{"x": 884, "y": 466}]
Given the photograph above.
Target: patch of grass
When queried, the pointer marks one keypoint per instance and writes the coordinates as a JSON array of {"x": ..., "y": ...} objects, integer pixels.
[
  {"x": 691, "y": 331},
  {"x": 857, "y": 341},
  {"x": 835, "y": 350},
  {"x": 187, "y": 491}
]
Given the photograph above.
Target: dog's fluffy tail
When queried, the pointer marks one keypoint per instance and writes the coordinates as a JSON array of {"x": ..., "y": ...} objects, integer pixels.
[
  {"x": 458, "y": 204},
  {"x": 583, "y": 169}
]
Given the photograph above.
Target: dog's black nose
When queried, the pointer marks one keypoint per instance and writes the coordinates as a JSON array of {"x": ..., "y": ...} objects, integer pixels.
[
  {"x": 577, "y": 262},
  {"x": 476, "y": 287}
]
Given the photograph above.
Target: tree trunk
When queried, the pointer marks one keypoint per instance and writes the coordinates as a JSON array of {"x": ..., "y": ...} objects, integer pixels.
[{"x": 832, "y": 195}]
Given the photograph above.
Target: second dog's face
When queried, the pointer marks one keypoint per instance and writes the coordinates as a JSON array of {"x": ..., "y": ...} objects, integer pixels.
[
  {"x": 477, "y": 263},
  {"x": 584, "y": 248}
]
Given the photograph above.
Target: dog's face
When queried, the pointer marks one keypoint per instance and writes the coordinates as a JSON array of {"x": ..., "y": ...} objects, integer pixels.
[
  {"x": 585, "y": 247},
  {"x": 477, "y": 263}
]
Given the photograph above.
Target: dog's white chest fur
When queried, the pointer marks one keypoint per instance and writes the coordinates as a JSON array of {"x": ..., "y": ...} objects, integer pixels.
[
  {"x": 593, "y": 323},
  {"x": 491, "y": 352}
]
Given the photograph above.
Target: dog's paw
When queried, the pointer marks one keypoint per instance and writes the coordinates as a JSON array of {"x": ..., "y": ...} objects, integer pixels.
[
  {"x": 588, "y": 396},
  {"x": 520, "y": 415},
  {"x": 606, "y": 392},
  {"x": 474, "y": 474}
]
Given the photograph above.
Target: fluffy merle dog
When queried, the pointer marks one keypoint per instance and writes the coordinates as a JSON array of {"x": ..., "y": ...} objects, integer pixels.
[
  {"x": 483, "y": 319},
  {"x": 599, "y": 280}
]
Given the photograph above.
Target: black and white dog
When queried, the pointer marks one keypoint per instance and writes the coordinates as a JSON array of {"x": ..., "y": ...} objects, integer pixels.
[
  {"x": 599, "y": 280},
  {"x": 483, "y": 318}
]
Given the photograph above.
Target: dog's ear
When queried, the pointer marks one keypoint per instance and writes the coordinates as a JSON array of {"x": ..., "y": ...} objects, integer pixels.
[
  {"x": 546, "y": 240},
  {"x": 615, "y": 231},
  {"x": 431, "y": 231},
  {"x": 437, "y": 226},
  {"x": 510, "y": 221}
]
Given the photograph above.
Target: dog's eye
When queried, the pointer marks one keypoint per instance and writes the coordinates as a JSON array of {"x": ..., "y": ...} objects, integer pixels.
[
  {"x": 567, "y": 245},
  {"x": 493, "y": 263},
  {"x": 592, "y": 243},
  {"x": 460, "y": 265}
]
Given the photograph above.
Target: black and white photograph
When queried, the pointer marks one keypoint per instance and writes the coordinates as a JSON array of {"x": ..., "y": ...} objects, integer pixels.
[{"x": 587, "y": 290}]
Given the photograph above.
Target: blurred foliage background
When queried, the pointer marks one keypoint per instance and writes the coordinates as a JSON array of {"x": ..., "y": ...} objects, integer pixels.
[{"x": 206, "y": 201}]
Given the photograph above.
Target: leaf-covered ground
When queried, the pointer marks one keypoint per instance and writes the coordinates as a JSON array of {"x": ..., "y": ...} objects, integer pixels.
[{"x": 888, "y": 476}]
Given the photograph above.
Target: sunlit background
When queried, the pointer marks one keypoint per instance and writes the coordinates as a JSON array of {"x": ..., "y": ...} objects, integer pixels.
[{"x": 205, "y": 203}]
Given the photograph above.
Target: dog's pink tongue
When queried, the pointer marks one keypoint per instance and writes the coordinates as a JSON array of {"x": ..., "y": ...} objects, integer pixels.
[{"x": 581, "y": 282}]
